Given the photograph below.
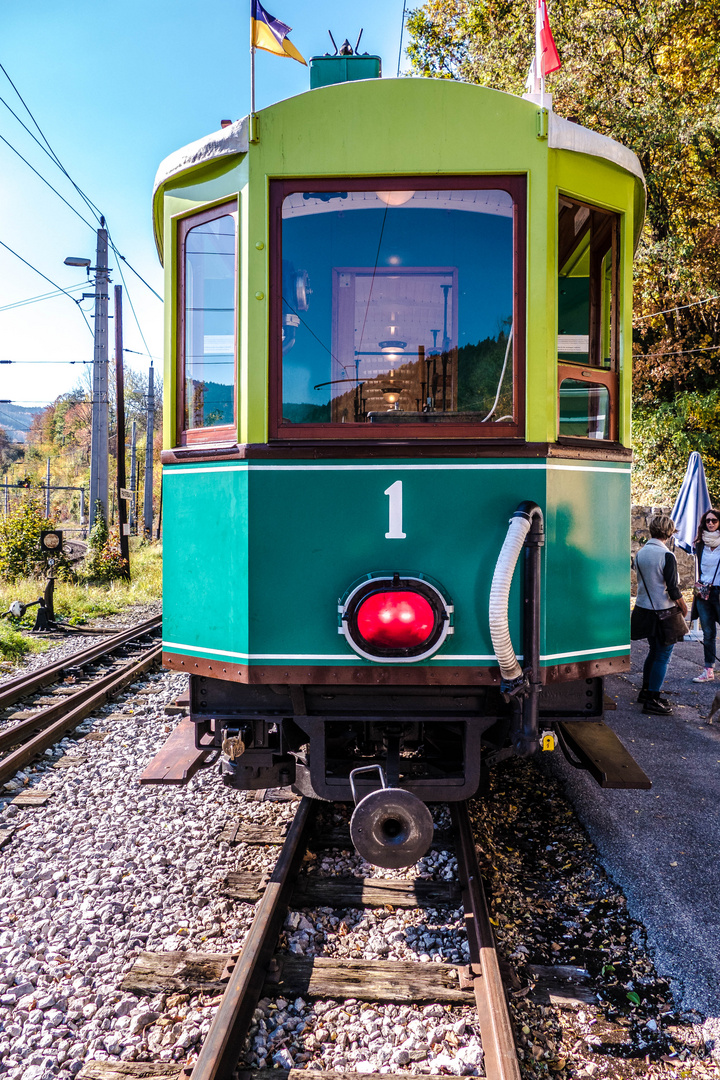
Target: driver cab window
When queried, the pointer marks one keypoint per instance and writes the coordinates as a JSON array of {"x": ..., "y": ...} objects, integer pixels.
[{"x": 398, "y": 309}]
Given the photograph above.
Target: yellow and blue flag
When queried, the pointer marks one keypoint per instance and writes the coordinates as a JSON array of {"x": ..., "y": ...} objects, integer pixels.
[{"x": 268, "y": 33}]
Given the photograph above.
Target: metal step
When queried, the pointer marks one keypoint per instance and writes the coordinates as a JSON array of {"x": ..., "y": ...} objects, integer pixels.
[{"x": 602, "y": 754}]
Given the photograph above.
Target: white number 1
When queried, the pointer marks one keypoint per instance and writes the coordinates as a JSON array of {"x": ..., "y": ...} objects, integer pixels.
[{"x": 395, "y": 527}]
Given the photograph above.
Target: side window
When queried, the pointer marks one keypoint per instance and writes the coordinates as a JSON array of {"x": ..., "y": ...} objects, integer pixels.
[
  {"x": 206, "y": 331},
  {"x": 588, "y": 324}
]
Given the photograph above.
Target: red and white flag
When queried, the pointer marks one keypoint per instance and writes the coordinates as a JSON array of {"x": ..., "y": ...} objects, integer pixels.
[{"x": 546, "y": 54}]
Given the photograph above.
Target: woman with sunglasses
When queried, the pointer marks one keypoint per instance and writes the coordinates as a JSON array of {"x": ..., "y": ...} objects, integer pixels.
[{"x": 706, "y": 604}]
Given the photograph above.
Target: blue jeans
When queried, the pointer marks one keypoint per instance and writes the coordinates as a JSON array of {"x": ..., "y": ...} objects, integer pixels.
[
  {"x": 656, "y": 664},
  {"x": 709, "y": 613}
]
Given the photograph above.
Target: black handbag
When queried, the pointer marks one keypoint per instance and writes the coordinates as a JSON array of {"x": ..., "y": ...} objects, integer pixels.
[
  {"x": 671, "y": 624},
  {"x": 701, "y": 591}
]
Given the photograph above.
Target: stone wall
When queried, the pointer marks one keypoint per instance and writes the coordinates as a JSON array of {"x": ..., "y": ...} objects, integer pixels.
[{"x": 639, "y": 532}]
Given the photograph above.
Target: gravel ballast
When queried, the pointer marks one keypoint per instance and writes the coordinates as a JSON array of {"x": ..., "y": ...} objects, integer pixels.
[{"x": 108, "y": 869}]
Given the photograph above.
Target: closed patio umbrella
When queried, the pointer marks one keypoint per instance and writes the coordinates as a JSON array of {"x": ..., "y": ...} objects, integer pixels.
[{"x": 692, "y": 501}]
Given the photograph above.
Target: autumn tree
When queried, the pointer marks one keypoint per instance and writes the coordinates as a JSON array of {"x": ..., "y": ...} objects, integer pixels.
[{"x": 648, "y": 75}]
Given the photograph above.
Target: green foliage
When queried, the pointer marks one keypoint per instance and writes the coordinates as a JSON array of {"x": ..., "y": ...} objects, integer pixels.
[
  {"x": 104, "y": 561},
  {"x": 664, "y": 436},
  {"x": 20, "y": 552},
  {"x": 13, "y": 645},
  {"x": 78, "y": 601},
  {"x": 644, "y": 74},
  {"x": 99, "y": 533}
]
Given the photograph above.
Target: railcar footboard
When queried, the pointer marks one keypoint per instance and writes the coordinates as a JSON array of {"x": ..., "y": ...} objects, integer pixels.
[{"x": 592, "y": 745}]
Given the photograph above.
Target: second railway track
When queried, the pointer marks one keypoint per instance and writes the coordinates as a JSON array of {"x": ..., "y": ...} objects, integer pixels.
[{"x": 46, "y": 721}]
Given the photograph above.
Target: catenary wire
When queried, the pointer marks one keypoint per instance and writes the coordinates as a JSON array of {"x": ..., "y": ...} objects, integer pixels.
[
  {"x": 682, "y": 307},
  {"x": 41, "y": 177},
  {"x": 53, "y": 283},
  {"x": 53, "y": 157},
  {"x": 675, "y": 352},
  {"x": 132, "y": 308},
  {"x": 402, "y": 31},
  {"x": 43, "y": 296},
  {"x": 52, "y": 153}
]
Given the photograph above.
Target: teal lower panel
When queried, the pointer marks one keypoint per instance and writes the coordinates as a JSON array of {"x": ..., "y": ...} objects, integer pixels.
[{"x": 257, "y": 556}]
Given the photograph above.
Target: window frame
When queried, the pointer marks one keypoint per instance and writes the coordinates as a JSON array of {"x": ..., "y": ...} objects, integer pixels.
[
  {"x": 593, "y": 370},
  {"x": 220, "y": 433},
  {"x": 516, "y": 187}
]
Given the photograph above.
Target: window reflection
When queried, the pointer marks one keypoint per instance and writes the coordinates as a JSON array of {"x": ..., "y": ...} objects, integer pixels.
[
  {"x": 397, "y": 307},
  {"x": 210, "y": 323},
  {"x": 584, "y": 409}
]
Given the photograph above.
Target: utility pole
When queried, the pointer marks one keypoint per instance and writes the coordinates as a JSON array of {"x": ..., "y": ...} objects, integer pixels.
[
  {"x": 120, "y": 427},
  {"x": 99, "y": 434},
  {"x": 133, "y": 475},
  {"x": 47, "y": 489},
  {"x": 148, "y": 502}
]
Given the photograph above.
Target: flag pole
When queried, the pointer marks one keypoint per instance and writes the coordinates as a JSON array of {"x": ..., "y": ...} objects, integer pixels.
[
  {"x": 253, "y": 117},
  {"x": 252, "y": 80}
]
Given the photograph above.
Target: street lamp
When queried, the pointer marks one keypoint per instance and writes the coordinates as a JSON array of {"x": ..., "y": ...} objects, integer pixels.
[{"x": 73, "y": 261}]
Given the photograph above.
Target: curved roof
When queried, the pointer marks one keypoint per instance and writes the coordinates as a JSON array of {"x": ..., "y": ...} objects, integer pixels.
[
  {"x": 229, "y": 140},
  {"x": 562, "y": 135},
  {"x": 565, "y": 135}
]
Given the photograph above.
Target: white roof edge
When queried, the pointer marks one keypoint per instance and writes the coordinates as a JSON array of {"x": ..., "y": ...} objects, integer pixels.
[
  {"x": 234, "y": 139},
  {"x": 565, "y": 135},
  {"x": 230, "y": 140}
]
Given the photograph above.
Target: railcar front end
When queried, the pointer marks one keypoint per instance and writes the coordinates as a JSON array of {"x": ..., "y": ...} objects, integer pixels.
[{"x": 398, "y": 316}]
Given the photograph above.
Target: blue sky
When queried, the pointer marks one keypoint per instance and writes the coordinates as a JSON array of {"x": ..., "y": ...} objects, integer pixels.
[{"x": 115, "y": 88}]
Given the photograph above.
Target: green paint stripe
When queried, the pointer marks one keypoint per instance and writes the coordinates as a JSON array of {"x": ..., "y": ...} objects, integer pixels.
[
  {"x": 248, "y": 467},
  {"x": 173, "y": 646}
]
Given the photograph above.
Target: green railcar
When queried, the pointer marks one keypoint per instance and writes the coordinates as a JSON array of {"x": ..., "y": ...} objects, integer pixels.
[{"x": 398, "y": 312}]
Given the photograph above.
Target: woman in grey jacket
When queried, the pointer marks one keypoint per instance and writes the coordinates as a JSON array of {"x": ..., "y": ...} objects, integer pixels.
[{"x": 658, "y": 589}]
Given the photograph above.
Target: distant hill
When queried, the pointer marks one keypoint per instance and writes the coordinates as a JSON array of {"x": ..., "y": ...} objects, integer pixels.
[{"x": 16, "y": 420}]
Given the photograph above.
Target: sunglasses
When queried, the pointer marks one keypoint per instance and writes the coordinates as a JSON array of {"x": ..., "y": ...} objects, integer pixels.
[{"x": 711, "y": 521}]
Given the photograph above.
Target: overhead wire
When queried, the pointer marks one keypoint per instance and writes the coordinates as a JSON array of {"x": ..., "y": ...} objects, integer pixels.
[
  {"x": 52, "y": 155},
  {"x": 53, "y": 283},
  {"x": 132, "y": 308},
  {"x": 43, "y": 296},
  {"x": 46, "y": 361},
  {"x": 41, "y": 177},
  {"x": 90, "y": 204},
  {"x": 682, "y": 307},
  {"x": 402, "y": 31},
  {"x": 675, "y": 352}
]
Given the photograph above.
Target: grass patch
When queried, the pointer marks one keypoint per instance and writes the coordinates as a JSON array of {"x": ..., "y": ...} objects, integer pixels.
[
  {"x": 13, "y": 645},
  {"x": 78, "y": 603}
]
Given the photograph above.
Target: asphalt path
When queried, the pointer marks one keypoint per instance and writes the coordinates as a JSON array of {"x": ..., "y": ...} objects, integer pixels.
[{"x": 663, "y": 846}]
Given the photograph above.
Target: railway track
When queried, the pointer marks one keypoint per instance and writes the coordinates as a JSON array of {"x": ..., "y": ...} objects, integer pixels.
[
  {"x": 47, "y": 721},
  {"x": 259, "y": 970}
]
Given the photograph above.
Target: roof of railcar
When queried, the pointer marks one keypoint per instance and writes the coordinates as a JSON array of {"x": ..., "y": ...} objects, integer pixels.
[{"x": 234, "y": 140}]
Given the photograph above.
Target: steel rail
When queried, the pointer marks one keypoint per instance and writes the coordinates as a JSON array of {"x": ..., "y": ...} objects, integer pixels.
[
  {"x": 24, "y": 729},
  {"x": 108, "y": 687},
  {"x": 221, "y": 1049},
  {"x": 14, "y": 689},
  {"x": 501, "y": 1061}
]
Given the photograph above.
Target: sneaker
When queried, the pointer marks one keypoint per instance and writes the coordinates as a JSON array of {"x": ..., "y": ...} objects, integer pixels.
[
  {"x": 657, "y": 706},
  {"x": 706, "y": 675}
]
